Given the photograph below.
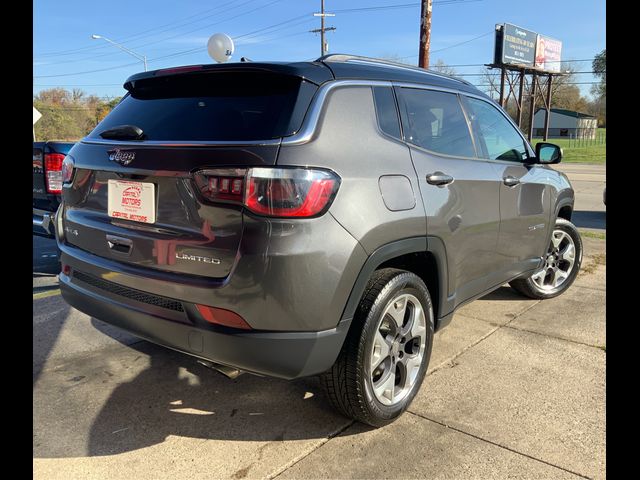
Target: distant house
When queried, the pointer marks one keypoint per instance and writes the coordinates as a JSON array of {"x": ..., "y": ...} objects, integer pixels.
[{"x": 565, "y": 123}]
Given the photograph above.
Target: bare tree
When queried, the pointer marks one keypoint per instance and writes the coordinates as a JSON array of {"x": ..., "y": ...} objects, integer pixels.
[
  {"x": 442, "y": 67},
  {"x": 564, "y": 94},
  {"x": 394, "y": 57}
]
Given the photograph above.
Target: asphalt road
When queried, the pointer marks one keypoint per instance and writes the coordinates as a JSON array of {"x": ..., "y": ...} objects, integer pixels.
[
  {"x": 588, "y": 182},
  {"x": 515, "y": 388}
]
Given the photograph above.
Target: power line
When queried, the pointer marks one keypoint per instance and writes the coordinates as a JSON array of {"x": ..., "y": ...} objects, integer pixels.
[
  {"x": 128, "y": 37},
  {"x": 210, "y": 24},
  {"x": 182, "y": 33},
  {"x": 485, "y": 73},
  {"x": 305, "y": 15},
  {"x": 484, "y": 64},
  {"x": 218, "y": 9},
  {"x": 462, "y": 43},
  {"x": 401, "y": 6}
]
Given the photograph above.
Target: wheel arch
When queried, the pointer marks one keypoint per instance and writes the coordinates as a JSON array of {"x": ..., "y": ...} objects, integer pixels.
[
  {"x": 424, "y": 256},
  {"x": 564, "y": 205}
]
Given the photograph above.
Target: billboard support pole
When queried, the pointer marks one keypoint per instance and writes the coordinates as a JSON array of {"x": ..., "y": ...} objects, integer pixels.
[
  {"x": 502, "y": 79},
  {"x": 520, "y": 97},
  {"x": 532, "y": 105},
  {"x": 547, "y": 116}
]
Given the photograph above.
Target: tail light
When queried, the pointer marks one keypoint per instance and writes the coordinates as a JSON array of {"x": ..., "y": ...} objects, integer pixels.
[
  {"x": 53, "y": 172},
  {"x": 271, "y": 192},
  {"x": 67, "y": 169}
]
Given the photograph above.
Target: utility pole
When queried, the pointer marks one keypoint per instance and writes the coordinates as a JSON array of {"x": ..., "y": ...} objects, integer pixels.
[
  {"x": 323, "y": 45},
  {"x": 425, "y": 33}
]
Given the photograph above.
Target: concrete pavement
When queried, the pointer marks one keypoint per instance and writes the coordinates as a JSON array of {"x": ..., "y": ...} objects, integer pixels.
[{"x": 515, "y": 389}]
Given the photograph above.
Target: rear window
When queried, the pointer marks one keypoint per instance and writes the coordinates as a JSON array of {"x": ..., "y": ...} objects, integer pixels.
[{"x": 221, "y": 106}]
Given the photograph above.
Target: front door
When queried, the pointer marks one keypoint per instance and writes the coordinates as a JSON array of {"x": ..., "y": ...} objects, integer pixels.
[
  {"x": 460, "y": 192},
  {"x": 525, "y": 196}
]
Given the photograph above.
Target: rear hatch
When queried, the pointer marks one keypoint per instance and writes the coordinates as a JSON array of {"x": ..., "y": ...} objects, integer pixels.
[{"x": 137, "y": 201}]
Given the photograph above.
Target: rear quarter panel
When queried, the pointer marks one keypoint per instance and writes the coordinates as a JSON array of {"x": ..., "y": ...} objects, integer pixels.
[{"x": 347, "y": 140}]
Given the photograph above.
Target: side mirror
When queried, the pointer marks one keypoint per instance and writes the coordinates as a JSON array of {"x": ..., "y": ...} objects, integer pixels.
[{"x": 548, "y": 153}]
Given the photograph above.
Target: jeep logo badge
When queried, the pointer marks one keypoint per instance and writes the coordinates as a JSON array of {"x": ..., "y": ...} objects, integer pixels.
[{"x": 123, "y": 157}]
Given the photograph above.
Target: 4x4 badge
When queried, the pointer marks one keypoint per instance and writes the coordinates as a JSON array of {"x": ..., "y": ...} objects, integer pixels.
[{"x": 123, "y": 157}]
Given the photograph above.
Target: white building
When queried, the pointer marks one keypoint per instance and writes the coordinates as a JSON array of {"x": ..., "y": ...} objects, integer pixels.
[{"x": 565, "y": 123}]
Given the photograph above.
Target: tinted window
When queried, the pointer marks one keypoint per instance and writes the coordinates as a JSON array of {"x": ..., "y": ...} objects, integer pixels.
[
  {"x": 386, "y": 111},
  {"x": 500, "y": 138},
  {"x": 434, "y": 120},
  {"x": 213, "y": 106}
]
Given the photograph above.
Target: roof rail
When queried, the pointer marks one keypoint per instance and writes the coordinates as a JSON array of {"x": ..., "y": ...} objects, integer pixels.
[{"x": 346, "y": 58}]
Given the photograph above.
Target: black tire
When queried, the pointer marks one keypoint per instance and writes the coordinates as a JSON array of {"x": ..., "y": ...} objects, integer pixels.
[
  {"x": 349, "y": 382},
  {"x": 528, "y": 287}
]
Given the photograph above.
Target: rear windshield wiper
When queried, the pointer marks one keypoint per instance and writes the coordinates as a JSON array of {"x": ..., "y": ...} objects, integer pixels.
[{"x": 123, "y": 132}]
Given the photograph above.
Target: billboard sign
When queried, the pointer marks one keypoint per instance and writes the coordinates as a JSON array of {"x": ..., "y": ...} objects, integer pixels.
[
  {"x": 522, "y": 47},
  {"x": 548, "y": 54},
  {"x": 518, "y": 46}
]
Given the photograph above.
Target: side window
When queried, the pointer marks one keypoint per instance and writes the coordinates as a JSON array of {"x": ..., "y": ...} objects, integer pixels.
[
  {"x": 501, "y": 139},
  {"x": 386, "y": 111},
  {"x": 434, "y": 120}
]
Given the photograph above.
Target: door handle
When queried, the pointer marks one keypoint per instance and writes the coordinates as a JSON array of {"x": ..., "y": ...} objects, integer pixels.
[
  {"x": 439, "y": 178},
  {"x": 119, "y": 244},
  {"x": 510, "y": 181}
]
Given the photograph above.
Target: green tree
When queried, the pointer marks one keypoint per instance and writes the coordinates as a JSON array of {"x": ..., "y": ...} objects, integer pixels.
[
  {"x": 69, "y": 115},
  {"x": 599, "y": 66}
]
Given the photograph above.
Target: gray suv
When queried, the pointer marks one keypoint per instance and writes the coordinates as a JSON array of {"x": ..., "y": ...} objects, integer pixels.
[{"x": 311, "y": 218}]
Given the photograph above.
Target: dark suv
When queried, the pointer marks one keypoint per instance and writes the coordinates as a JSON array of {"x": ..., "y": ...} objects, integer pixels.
[{"x": 294, "y": 219}]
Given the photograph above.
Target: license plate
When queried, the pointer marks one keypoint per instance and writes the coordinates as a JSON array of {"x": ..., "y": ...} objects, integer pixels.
[{"x": 132, "y": 200}]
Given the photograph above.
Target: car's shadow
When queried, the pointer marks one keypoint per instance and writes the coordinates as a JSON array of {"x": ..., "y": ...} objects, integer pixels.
[
  {"x": 504, "y": 293},
  {"x": 589, "y": 219},
  {"x": 176, "y": 396}
]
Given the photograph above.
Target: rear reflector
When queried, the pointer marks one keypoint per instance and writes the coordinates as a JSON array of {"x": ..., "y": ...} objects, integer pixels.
[
  {"x": 271, "y": 192},
  {"x": 220, "y": 316},
  {"x": 53, "y": 172}
]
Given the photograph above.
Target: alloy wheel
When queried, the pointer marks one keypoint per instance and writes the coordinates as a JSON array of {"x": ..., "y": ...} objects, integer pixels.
[
  {"x": 558, "y": 262},
  {"x": 398, "y": 349}
]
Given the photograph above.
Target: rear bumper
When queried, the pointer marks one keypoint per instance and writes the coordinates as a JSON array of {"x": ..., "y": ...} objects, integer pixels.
[
  {"x": 285, "y": 355},
  {"x": 43, "y": 224}
]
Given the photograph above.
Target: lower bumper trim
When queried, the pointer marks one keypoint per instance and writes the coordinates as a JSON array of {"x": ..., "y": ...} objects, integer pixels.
[{"x": 286, "y": 355}]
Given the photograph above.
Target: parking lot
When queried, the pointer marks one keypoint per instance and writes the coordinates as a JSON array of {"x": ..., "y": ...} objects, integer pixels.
[{"x": 515, "y": 388}]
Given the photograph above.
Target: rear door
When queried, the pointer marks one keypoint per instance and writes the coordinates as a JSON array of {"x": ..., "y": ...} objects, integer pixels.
[
  {"x": 525, "y": 196},
  {"x": 460, "y": 191},
  {"x": 149, "y": 202}
]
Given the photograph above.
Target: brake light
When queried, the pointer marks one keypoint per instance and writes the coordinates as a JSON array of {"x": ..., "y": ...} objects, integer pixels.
[
  {"x": 222, "y": 184},
  {"x": 53, "y": 172},
  {"x": 295, "y": 192},
  {"x": 271, "y": 192},
  {"x": 175, "y": 70}
]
